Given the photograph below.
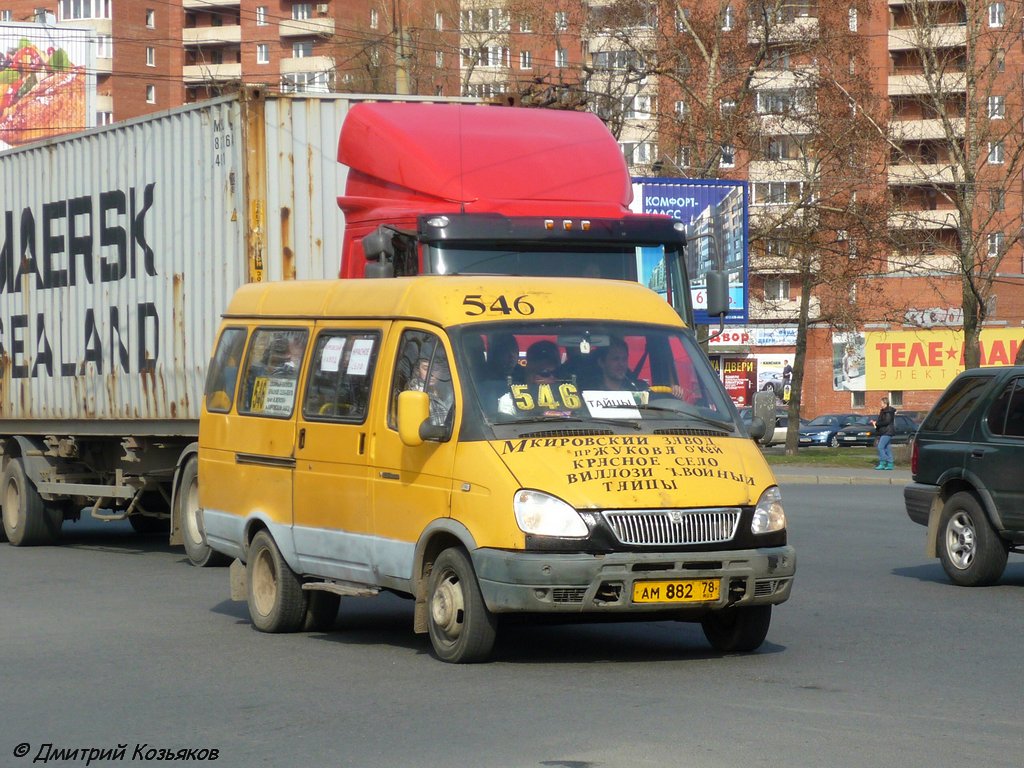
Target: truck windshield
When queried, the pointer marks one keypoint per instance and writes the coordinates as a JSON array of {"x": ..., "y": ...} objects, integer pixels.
[
  {"x": 632, "y": 376},
  {"x": 653, "y": 266}
]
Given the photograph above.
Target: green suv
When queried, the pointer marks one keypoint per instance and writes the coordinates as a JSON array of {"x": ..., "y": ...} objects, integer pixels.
[{"x": 968, "y": 467}]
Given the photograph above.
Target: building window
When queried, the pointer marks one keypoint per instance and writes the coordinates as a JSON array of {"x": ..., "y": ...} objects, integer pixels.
[
  {"x": 683, "y": 157},
  {"x": 104, "y": 118},
  {"x": 776, "y": 289},
  {"x": 1000, "y": 60},
  {"x": 150, "y": 56},
  {"x": 637, "y": 152},
  {"x": 680, "y": 110},
  {"x": 374, "y": 18},
  {"x": 727, "y": 107},
  {"x": 561, "y": 21},
  {"x": 5, "y": 15},
  {"x": 997, "y": 199},
  {"x": 996, "y": 14},
  {"x": 728, "y": 18},
  {"x": 561, "y": 57},
  {"x": 636, "y": 107},
  {"x": 302, "y": 50},
  {"x": 84, "y": 9},
  {"x": 728, "y": 156},
  {"x": 896, "y": 399},
  {"x": 151, "y": 94},
  {"x": 525, "y": 60},
  {"x": 305, "y": 82},
  {"x": 262, "y": 53},
  {"x": 853, "y": 19},
  {"x": 301, "y": 11},
  {"x": 151, "y": 18},
  {"x": 439, "y": 21},
  {"x": 525, "y": 25},
  {"x": 105, "y": 47},
  {"x": 261, "y": 16},
  {"x": 996, "y": 107},
  {"x": 996, "y": 244},
  {"x": 439, "y": 59},
  {"x": 857, "y": 399},
  {"x": 995, "y": 153}
]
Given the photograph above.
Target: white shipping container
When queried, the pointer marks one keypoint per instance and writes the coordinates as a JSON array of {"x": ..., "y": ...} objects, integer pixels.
[{"x": 122, "y": 245}]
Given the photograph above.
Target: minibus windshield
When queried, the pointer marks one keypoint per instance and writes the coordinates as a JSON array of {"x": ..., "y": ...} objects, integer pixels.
[{"x": 591, "y": 371}]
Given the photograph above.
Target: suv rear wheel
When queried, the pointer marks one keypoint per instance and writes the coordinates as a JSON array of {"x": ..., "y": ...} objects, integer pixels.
[{"x": 971, "y": 553}]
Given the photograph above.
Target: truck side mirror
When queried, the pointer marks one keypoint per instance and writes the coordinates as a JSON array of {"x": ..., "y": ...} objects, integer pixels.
[
  {"x": 764, "y": 411},
  {"x": 379, "y": 251},
  {"x": 718, "y": 293}
]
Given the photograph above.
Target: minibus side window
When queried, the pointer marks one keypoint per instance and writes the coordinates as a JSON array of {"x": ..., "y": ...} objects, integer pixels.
[
  {"x": 223, "y": 373},
  {"x": 422, "y": 365},
  {"x": 340, "y": 376},
  {"x": 271, "y": 373}
]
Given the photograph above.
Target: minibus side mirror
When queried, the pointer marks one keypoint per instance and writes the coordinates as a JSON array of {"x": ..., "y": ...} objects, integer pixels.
[{"x": 413, "y": 411}]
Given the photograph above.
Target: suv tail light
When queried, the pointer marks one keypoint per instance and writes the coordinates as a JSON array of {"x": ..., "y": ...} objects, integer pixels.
[{"x": 913, "y": 456}]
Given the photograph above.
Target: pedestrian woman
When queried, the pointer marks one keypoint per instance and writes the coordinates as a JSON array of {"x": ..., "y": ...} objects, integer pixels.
[{"x": 884, "y": 430}]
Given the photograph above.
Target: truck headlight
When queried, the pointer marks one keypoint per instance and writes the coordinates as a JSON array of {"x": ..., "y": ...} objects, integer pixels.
[
  {"x": 541, "y": 514},
  {"x": 769, "y": 516}
]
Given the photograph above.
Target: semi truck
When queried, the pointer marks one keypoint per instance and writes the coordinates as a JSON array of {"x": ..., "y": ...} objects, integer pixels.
[{"x": 122, "y": 245}]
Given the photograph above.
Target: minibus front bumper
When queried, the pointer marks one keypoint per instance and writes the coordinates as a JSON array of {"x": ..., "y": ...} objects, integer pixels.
[{"x": 546, "y": 582}]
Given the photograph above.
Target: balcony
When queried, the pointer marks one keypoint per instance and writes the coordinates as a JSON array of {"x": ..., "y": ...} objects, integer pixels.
[
  {"x": 921, "y": 130},
  {"x": 306, "y": 27},
  {"x": 231, "y": 35},
  {"x": 927, "y": 219},
  {"x": 199, "y": 5},
  {"x": 801, "y": 28},
  {"x": 917, "y": 85},
  {"x": 103, "y": 66},
  {"x": 782, "y": 309},
  {"x": 777, "y": 170},
  {"x": 307, "y": 64},
  {"x": 937, "y": 36},
  {"x": 197, "y": 74},
  {"x": 922, "y": 173}
]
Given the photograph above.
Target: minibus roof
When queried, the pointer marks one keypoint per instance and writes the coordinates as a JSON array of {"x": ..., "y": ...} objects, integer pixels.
[{"x": 454, "y": 300}]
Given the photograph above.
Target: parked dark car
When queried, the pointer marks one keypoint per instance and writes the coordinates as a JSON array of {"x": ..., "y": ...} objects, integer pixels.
[
  {"x": 823, "y": 430},
  {"x": 968, "y": 483},
  {"x": 864, "y": 434}
]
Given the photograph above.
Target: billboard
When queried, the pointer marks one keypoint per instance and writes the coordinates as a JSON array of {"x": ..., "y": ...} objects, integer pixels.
[
  {"x": 47, "y": 82},
  {"x": 715, "y": 214},
  {"x": 929, "y": 359}
]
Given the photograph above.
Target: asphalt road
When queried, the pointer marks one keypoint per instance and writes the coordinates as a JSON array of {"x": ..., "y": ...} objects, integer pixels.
[{"x": 876, "y": 660}]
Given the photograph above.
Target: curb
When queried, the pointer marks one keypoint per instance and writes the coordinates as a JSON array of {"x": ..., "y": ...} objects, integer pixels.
[{"x": 826, "y": 480}]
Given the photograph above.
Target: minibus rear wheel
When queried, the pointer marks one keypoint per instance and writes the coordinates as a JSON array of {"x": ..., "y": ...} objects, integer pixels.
[
  {"x": 276, "y": 600},
  {"x": 737, "y": 630},
  {"x": 462, "y": 630}
]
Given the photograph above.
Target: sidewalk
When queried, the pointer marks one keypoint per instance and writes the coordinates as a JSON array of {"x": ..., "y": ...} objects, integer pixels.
[{"x": 812, "y": 475}]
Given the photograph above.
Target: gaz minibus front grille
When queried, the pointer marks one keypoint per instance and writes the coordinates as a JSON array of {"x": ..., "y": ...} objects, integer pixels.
[
  {"x": 568, "y": 433},
  {"x": 667, "y": 527}
]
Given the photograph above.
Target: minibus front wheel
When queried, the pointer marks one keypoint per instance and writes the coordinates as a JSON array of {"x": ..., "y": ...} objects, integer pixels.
[
  {"x": 276, "y": 600},
  {"x": 462, "y": 630}
]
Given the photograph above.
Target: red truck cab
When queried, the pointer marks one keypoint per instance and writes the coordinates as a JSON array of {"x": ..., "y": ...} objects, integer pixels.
[{"x": 459, "y": 189}]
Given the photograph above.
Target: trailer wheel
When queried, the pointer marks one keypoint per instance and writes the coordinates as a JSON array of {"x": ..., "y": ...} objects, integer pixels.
[
  {"x": 277, "y": 602},
  {"x": 28, "y": 520},
  {"x": 187, "y": 502}
]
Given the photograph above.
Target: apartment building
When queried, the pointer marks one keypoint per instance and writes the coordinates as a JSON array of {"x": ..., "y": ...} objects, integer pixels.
[{"x": 910, "y": 106}]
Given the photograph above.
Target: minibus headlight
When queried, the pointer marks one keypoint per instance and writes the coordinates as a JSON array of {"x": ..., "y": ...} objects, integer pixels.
[
  {"x": 541, "y": 514},
  {"x": 769, "y": 516}
]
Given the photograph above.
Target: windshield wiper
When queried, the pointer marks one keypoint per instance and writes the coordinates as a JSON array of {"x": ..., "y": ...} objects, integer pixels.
[
  {"x": 725, "y": 425},
  {"x": 562, "y": 419}
]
